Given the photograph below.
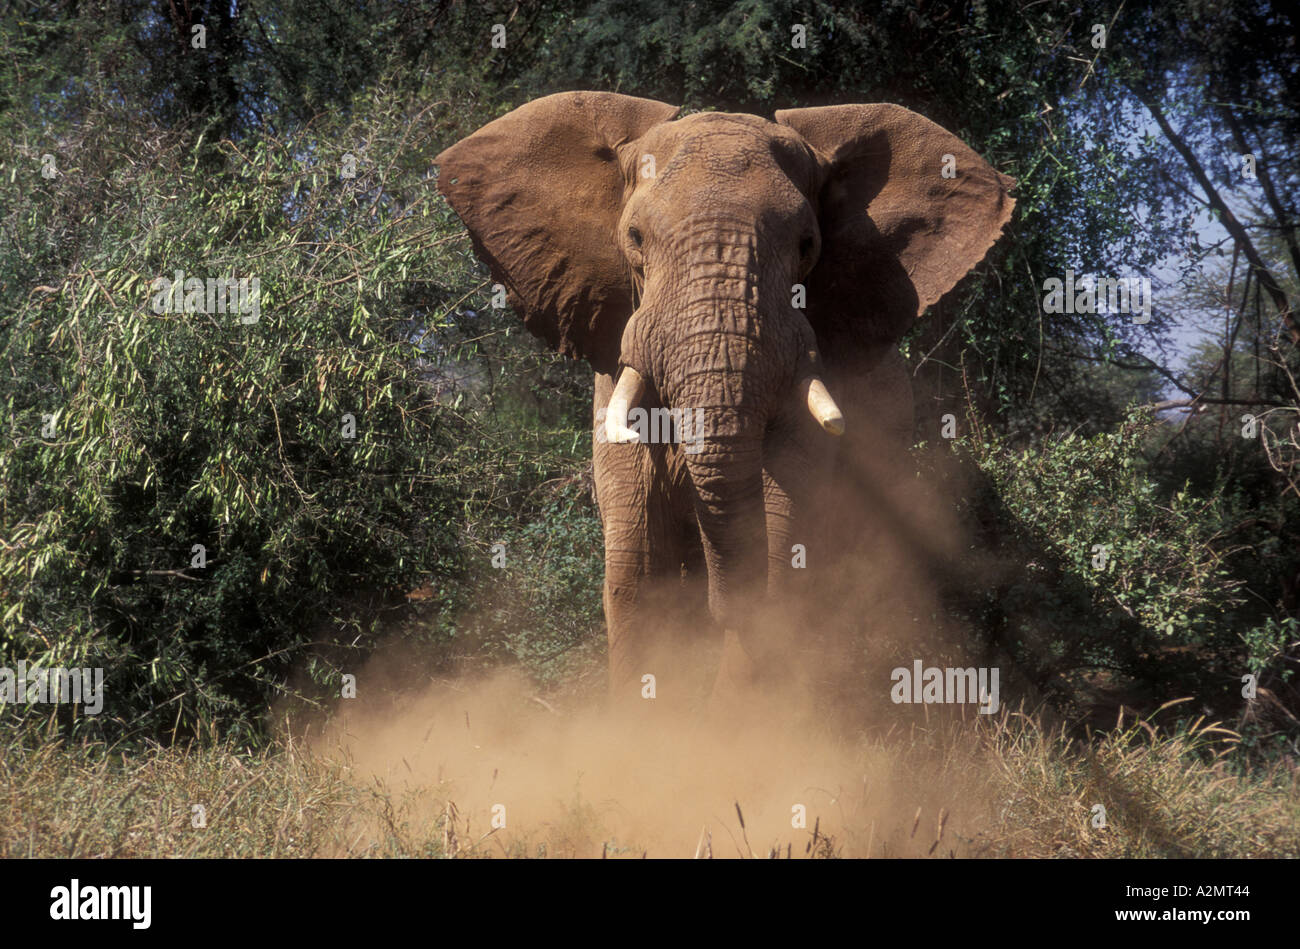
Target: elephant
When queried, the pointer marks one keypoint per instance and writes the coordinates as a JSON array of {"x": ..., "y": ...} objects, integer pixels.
[{"x": 739, "y": 286}]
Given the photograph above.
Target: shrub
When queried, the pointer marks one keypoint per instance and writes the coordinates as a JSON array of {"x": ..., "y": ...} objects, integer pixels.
[
  {"x": 137, "y": 435},
  {"x": 1107, "y": 572}
]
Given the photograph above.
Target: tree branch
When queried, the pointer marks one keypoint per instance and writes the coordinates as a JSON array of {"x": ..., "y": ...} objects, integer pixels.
[{"x": 1226, "y": 217}]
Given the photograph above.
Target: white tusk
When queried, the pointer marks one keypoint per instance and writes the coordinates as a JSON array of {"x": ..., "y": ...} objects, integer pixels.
[
  {"x": 821, "y": 405},
  {"x": 627, "y": 393}
]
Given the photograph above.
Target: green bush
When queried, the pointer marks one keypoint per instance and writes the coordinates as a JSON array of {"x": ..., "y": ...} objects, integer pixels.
[
  {"x": 137, "y": 435},
  {"x": 542, "y": 608},
  {"x": 1105, "y": 570}
]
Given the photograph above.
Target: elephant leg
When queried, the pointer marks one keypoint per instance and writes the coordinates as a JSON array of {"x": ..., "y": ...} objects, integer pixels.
[
  {"x": 639, "y": 494},
  {"x": 638, "y": 598}
]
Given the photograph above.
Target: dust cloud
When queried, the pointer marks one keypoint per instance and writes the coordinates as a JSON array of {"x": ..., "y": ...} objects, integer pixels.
[
  {"x": 569, "y": 775},
  {"x": 588, "y": 781}
]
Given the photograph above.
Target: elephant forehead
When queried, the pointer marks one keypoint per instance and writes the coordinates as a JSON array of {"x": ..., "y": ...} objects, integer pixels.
[
  {"x": 728, "y": 143},
  {"x": 714, "y": 119}
]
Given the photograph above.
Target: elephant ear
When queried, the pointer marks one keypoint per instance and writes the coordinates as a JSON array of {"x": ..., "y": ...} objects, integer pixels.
[
  {"x": 541, "y": 191},
  {"x": 896, "y": 234}
]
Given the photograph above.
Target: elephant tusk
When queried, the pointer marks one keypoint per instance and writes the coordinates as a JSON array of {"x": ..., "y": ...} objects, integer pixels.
[
  {"x": 627, "y": 393},
  {"x": 822, "y": 406}
]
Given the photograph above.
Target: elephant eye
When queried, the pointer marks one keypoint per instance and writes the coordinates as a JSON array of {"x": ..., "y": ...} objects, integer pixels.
[
  {"x": 806, "y": 247},
  {"x": 635, "y": 235}
]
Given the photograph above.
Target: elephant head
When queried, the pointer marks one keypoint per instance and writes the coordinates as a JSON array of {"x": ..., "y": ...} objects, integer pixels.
[{"x": 710, "y": 262}]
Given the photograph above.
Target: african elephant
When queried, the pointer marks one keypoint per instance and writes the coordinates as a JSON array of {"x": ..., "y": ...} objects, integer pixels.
[{"x": 754, "y": 276}]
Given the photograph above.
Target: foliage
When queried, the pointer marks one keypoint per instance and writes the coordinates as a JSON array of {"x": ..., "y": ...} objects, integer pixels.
[
  {"x": 1092, "y": 503},
  {"x": 1109, "y": 571},
  {"x": 550, "y": 601},
  {"x": 137, "y": 434}
]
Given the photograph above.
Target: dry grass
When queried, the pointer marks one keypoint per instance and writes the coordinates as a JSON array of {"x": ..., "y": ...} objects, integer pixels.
[
  {"x": 1019, "y": 790},
  {"x": 61, "y": 801},
  {"x": 1165, "y": 795}
]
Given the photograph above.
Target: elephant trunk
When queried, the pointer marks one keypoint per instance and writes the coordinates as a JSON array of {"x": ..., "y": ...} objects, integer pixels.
[
  {"x": 729, "y": 374},
  {"x": 727, "y": 474}
]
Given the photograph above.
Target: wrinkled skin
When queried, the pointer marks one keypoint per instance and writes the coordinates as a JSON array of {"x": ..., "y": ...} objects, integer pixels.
[{"x": 677, "y": 248}]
